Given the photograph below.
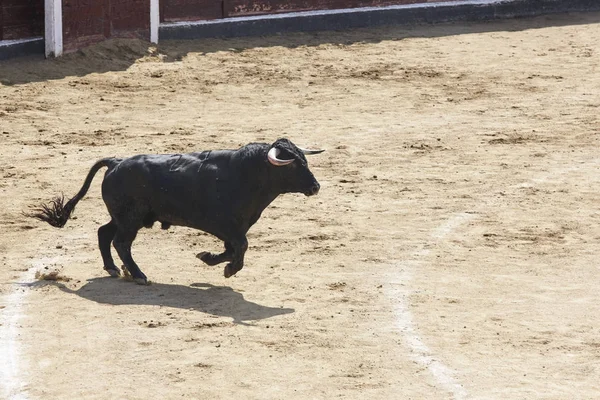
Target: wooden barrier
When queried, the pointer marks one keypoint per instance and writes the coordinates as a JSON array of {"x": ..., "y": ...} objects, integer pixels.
[
  {"x": 90, "y": 21},
  {"x": 72, "y": 24},
  {"x": 190, "y": 10},
  {"x": 239, "y": 8},
  {"x": 21, "y": 19}
]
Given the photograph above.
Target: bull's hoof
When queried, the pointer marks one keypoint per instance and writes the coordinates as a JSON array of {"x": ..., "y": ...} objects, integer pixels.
[
  {"x": 126, "y": 275},
  {"x": 203, "y": 256},
  {"x": 141, "y": 281},
  {"x": 208, "y": 258},
  {"x": 229, "y": 271},
  {"x": 113, "y": 272}
]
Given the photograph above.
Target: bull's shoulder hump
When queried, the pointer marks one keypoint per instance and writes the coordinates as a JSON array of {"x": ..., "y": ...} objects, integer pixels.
[
  {"x": 149, "y": 162},
  {"x": 209, "y": 154},
  {"x": 158, "y": 158}
]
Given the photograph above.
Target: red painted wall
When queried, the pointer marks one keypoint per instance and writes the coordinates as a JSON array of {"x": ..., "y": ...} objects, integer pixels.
[
  {"x": 130, "y": 18},
  {"x": 190, "y": 10},
  {"x": 236, "y": 8},
  {"x": 91, "y": 21},
  {"x": 83, "y": 22},
  {"x": 21, "y": 19}
]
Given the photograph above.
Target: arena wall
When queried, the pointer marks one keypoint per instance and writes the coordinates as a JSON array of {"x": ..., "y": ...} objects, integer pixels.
[
  {"x": 21, "y": 19},
  {"x": 68, "y": 25},
  {"x": 238, "y": 8},
  {"x": 190, "y": 10},
  {"x": 194, "y": 10},
  {"x": 347, "y": 18},
  {"x": 90, "y": 21}
]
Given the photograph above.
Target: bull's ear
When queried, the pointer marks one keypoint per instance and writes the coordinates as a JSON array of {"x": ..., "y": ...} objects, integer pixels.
[
  {"x": 272, "y": 157},
  {"x": 310, "y": 152}
]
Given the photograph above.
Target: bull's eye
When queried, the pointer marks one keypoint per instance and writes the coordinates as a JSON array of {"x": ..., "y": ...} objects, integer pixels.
[{"x": 286, "y": 155}]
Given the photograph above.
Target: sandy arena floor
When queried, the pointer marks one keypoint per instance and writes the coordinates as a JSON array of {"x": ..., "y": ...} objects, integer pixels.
[{"x": 452, "y": 252}]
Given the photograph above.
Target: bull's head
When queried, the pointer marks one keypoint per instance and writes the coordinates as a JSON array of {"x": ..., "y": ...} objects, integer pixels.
[{"x": 292, "y": 167}]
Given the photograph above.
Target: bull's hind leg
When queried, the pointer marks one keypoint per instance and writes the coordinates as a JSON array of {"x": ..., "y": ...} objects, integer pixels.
[
  {"x": 106, "y": 233},
  {"x": 122, "y": 242},
  {"x": 214, "y": 259}
]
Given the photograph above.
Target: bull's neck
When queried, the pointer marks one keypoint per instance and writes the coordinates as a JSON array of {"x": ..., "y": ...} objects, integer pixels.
[
  {"x": 257, "y": 201},
  {"x": 256, "y": 190}
]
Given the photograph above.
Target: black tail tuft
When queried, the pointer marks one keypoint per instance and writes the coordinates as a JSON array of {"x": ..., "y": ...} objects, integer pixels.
[{"x": 55, "y": 213}]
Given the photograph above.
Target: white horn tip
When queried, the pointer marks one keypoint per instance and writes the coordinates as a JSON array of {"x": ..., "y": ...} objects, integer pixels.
[{"x": 310, "y": 152}]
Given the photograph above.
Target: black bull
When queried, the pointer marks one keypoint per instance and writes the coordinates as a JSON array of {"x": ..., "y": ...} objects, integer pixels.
[{"x": 222, "y": 192}]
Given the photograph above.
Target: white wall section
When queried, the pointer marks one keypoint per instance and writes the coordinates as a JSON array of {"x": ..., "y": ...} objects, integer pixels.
[
  {"x": 54, "y": 28},
  {"x": 154, "y": 20}
]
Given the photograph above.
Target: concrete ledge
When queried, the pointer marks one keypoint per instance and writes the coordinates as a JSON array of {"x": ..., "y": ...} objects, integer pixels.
[
  {"x": 15, "y": 48},
  {"x": 467, "y": 10}
]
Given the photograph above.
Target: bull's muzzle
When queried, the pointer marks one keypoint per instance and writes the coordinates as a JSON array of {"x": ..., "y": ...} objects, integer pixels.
[{"x": 314, "y": 189}]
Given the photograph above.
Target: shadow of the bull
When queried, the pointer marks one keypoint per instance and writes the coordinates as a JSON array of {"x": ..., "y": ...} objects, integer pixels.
[{"x": 204, "y": 297}]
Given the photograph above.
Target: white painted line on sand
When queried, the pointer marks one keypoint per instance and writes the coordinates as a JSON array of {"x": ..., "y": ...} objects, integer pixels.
[
  {"x": 12, "y": 366},
  {"x": 10, "y": 316},
  {"x": 400, "y": 292}
]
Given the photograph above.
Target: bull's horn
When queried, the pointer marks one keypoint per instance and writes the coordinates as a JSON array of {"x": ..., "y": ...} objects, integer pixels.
[
  {"x": 272, "y": 156},
  {"x": 310, "y": 152}
]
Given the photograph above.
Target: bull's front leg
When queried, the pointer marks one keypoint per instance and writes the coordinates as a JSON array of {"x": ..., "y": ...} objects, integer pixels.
[
  {"x": 214, "y": 259},
  {"x": 239, "y": 248}
]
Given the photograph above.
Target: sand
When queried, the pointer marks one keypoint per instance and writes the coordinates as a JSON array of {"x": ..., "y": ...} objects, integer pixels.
[{"x": 451, "y": 253}]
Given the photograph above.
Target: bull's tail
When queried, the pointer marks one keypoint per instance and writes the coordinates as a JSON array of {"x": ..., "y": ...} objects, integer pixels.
[{"x": 56, "y": 212}]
